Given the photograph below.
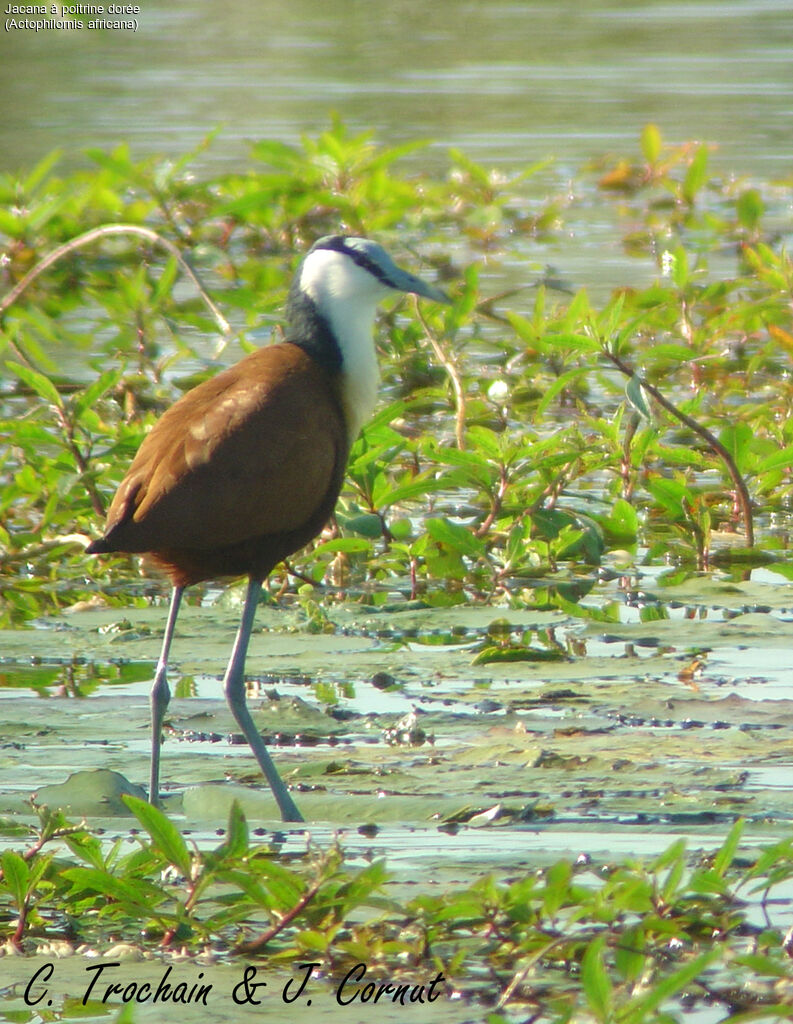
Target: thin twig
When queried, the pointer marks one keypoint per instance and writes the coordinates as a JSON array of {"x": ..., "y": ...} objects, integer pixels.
[
  {"x": 451, "y": 369},
  {"x": 53, "y": 257},
  {"x": 67, "y": 429},
  {"x": 520, "y": 976},
  {"x": 257, "y": 944},
  {"x": 27, "y": 554},
  {"x": 625, "y": 468},
  {"x": 104, "y": 231},
  {"x": 496, "y": 503},
  {"x": 742, "y": 491},
  {"x": 41, "y": 842}
]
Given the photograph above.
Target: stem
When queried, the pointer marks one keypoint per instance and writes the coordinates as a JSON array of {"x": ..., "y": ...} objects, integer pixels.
[
  {"x": 496, "y": 502},
  {"x": 195, "y": 889},
  {"x": 451, "y": 369},
  {"x": 16, "y": 938},
  {"x": 625, "y": 468},
  {"x": 741, "y": 490},
  {"x": 67, "y": 428},
  {"x": 9, "y": 559},
  {"x": 520, "y": 976},
  {"x": 257, "y": 944},
  {"x": 104, "y": 231}
]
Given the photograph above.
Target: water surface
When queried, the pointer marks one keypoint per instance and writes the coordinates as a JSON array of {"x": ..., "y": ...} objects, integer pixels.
[{"x": 508, "y": 82}]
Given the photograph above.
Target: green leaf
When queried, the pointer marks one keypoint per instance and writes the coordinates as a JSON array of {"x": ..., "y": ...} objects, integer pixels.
[
  {"x": 635, "y": 394},
  {"x": 560, "y": 384},
  {"x": 678, "y": 353},
  {"x": 135, "y": 893},
  {"x": 708, "y": 881},
  {"x": 671, "y": 884},
  {"x": 760, "y": 964},
  {"x": 236, "y": 844},
  {"x": 385, "y": 494},
  {"x": 284, "y": 885},
  {"x": 87, "y": 848},
  {"x": 666, "y": 987},
  {"x": 38, "y": 868},
  {"x": 729, "y": 847},
  {"x": 486, "y": 442},
  {"x": 126, "y": 1014},
  {"x": 368, "y": 525},
  {"x": 165, "y": 281},
  {"x": 42, "y": 385},
  {"x": 15, "y": 876},
  {"x": 651, "y": 143},
  {"x": 596, "y": 982},
  {"x": 314, "y": 940},
  {"x": 163, "y": 832},
  {"x": 750, "y": 208},
  {"x": 609, "y": 613},
  {"x": 497, "y": 654},
  {"x": 782, "y": 459},
  {"x": 674, "y": 852},
  {"x": 696, "y": 175},
  {"x": 737, "y": 439},
  {"x": 41, "y": 170},
  {"x": 575, "y": 342},
  {"x": 362, "y": 885},
  {"x": 670, "y": 494},
  {"x": 680, "y": 268},
  {"x": 276, "y": 154},
  {"x": 95, "y": 390},
  {"x": 630, "y": 957},
  {"x": 621, "y": 526},
  {"x": 479, "y": 174},
  {"x": 247, "y": 885},
  {"x": 458, "y": 538}
]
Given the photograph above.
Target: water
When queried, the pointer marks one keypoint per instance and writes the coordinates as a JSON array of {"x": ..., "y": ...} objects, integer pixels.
[{"x": 507, "y": 82}]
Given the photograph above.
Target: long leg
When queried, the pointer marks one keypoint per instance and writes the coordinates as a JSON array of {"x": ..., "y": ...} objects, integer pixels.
[
  {"x": 234, "y": 687},
  {"x": 160, "y": 696}
]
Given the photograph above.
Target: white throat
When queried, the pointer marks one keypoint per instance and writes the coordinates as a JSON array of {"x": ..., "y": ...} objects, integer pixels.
[{"x": 347, "y": 297}]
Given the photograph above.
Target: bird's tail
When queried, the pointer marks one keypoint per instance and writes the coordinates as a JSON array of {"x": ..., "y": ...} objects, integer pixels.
[{"x": 98, "y": 547}]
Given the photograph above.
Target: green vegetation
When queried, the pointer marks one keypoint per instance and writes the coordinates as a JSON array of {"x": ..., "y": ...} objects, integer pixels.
[
  {"x": 610, "y": 943},
  {"x": 530, "y": 444},
  {"x": 515, "y": 451}
]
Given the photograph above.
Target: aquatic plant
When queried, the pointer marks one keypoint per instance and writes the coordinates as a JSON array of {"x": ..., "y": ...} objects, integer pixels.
[
  {"x": 577, "y": 939},
  {"x": 511, "y": 447}
]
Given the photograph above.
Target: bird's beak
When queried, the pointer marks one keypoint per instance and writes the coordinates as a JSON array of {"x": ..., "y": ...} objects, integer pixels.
[
  {"x": 406, "y": 282},
  {"x": 429, "y": 291}
]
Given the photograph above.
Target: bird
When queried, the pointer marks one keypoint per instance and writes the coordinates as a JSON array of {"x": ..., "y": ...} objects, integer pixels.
[{"x": 246, "y": 468}]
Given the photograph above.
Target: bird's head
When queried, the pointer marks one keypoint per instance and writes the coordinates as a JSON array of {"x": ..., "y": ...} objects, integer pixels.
[
  {"x": 358, "y": 271},
  {"x": 331, "y": 312}
]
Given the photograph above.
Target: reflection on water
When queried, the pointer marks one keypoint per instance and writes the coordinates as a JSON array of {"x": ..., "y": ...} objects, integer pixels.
[{"x": 509, "y": 82}]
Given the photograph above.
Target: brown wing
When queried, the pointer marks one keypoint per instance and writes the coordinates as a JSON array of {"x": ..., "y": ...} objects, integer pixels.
[{"x": 250, "y": 453}]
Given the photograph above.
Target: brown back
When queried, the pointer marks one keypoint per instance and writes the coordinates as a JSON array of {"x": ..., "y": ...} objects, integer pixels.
[{"x": 257, "y": 454}]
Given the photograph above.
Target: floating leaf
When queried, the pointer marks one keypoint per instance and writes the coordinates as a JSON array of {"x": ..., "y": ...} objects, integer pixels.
[{"x": 494, "y": 654}]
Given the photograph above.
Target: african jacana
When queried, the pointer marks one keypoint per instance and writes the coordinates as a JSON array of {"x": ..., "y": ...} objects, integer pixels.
[{"x": 246, "y": 468}]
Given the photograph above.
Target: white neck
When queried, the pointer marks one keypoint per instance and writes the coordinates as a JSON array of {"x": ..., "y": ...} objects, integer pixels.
[{"x": 347, "y": 297}]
